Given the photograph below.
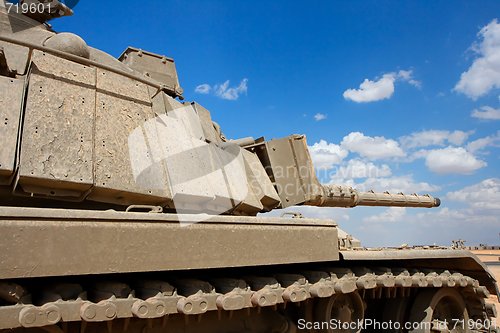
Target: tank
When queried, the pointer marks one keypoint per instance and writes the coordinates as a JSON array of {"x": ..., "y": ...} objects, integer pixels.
[{"x": 124, "y": 208}]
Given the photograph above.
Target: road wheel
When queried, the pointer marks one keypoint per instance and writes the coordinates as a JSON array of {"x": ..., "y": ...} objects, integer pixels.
[
  {"x": 443, "y": 310},
  {"x": 340, "y": 309}
]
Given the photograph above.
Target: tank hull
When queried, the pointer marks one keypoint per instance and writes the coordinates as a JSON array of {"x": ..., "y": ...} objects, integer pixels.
[
  {"x": 102, "y": 270},
  {"x": 102, "y": 242}
]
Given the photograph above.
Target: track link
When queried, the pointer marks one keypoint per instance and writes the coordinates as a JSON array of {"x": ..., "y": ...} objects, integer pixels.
[{"x": 106, "y": 301}]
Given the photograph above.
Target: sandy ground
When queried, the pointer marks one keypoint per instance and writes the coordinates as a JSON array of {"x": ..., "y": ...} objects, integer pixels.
[{"x": 492, "y": 259}]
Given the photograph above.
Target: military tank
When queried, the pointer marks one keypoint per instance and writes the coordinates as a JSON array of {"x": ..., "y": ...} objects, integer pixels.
[{"x": 124, "y": 208}]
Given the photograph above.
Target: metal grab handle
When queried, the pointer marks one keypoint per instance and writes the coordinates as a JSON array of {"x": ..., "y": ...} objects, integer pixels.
[{"x": 152, "y": 209}]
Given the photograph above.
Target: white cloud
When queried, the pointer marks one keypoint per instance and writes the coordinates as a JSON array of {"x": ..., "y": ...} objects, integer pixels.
[
  {"x": 203, "y": 89},
  {"x": 391, "y": 214},
  {"x": 484, "y": 73},
  {"x": 486, "y": 113},
  {"x": 422, "y": 153},
  {"x": 484, "y": 195},
  {"x": 472, "y": 224},
  {"x": 325, "y": 155},
  {"x": 231, "y": 93},
  {"x": 371, "y": 91},
  {"x": 320, "y": 116},
  {"x": 408, "y": 77},
  {"x": 372, "y": 148},
  {"x": 445, "y": 214},
  {"x": 396, "y": 184},
  {"x": 450, "y": 160},
  {"x": 383, "y": 88},
  {"x": 378, "y": 178},
  {"x": 458, "y": 137},
  {"x": 476, "y": 220},
  {"x": 491, "y": 140},
  {"x": 357, "y": 168},
  {"x": 223, "y": 90},
  {"x": 434, "y": 138}
]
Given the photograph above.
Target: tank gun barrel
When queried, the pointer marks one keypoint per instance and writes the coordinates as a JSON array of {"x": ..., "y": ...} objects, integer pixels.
[
  {"x": 343, "y": 196},
  {"x": 289, "y": 165}
]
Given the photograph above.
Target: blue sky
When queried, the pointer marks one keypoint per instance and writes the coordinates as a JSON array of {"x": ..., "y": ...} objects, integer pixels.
[{"x": 425, "y": 120}]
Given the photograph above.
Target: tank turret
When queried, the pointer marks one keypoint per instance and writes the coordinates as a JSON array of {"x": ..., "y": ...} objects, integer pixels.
[{"x": 117, "y": 133}]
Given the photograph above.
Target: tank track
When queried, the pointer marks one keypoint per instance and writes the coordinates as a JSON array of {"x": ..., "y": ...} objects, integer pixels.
[{"x": 117, "y": 306}]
